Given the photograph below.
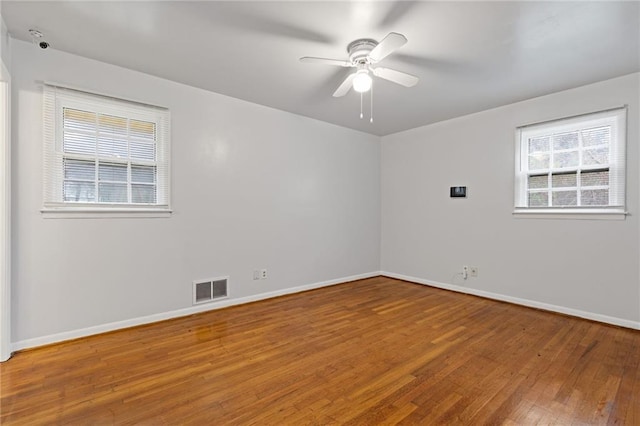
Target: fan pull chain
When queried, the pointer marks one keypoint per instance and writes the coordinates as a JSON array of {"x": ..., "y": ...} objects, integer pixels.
[
  {"x": 361, "y": 115},
  {"x": 371, "y": 98}
]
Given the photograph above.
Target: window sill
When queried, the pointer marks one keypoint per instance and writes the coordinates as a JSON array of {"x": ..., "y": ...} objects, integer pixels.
[
  {"x": 102, "y": 213},
  {"x": 569, "y": 213}
]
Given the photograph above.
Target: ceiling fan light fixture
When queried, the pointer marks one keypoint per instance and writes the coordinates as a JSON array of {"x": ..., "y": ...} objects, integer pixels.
[{"x": 362, "y": 81}]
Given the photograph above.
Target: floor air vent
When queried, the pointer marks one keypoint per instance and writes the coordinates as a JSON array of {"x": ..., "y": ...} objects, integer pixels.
[{"x": 209, "y": 290}]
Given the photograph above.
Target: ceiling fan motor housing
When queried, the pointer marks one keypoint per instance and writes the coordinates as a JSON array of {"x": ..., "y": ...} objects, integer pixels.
[
  {"x": 359, "y": 50},
  {"x": 364, "y": 54}
]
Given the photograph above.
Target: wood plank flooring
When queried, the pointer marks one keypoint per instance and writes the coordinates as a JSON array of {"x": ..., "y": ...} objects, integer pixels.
[{"x": 375, "y": 351}]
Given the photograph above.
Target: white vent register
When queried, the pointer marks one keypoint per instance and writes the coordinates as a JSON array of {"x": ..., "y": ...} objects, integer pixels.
[{"x": 209, "y": 290}]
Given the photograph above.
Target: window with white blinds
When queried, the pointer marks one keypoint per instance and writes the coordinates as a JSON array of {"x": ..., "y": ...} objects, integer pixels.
[
  {"x": 572, "y": 165},
  {"x": 103, "y": 153}
]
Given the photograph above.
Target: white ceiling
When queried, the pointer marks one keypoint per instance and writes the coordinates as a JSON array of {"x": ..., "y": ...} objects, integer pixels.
[{"x": 470, "y": 56}]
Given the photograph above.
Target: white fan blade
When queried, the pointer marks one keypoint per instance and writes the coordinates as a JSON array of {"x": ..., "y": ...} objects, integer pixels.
[
  {"x": 324, "y": 61},
  {"x": 388, "y": 44},
  {"x": 344, "y": 88},
  {"x": 402, "y": 78}
]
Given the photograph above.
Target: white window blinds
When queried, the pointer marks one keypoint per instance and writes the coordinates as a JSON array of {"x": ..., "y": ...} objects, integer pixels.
[
  {"x": 103, "y": 152},
  {"x": 576, "y": 163}
]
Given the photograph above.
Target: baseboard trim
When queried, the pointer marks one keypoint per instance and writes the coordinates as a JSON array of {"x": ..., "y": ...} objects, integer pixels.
[
  {"x": 518, "y": 301},
  {"x": 133, "y": 322}
]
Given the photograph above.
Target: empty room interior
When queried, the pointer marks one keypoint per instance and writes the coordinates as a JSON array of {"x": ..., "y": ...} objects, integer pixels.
[{"x": 327, "y": 213}]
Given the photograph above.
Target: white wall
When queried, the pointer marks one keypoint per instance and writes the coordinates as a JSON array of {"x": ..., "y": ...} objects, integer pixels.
[
  {"x": 5, "y": 201},
  {"x": 5, "y": 44},
  {"x": 252, "y": 187},
  {"x": 583, "y": 267}
]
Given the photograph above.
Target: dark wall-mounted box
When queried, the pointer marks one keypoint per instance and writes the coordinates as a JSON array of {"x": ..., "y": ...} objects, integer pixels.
[{"x": 458, "y": 192}]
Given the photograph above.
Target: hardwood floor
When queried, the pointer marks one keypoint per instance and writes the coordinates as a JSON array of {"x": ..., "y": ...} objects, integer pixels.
[{"x": 376, "y": 351}]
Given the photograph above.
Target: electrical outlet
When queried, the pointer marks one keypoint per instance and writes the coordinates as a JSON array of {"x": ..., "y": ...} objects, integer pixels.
[
  {"x": 256, "y": 274},
  {"x": 473, "y": 271},
  {"x": 465, "y": 272},
  {"x": 263, "y": 274}
]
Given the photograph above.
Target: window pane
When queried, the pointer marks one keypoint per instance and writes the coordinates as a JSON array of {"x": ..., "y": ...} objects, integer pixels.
[
  {"x": 539, "y": 144},
  {"x": 143, "y": 174},
  {"x": 79, "y": 143},
  {"x": 112, "y": 192},
  {"x": 112, "y": 124},
  {"x": 79, "y": 191},
  {"x": 560, "y": 180},
  {"x": 595, "y": 178},
  {"x": 565, "y": 141},
  {"x": 73, "y": 119},
  {"x": 538, "y": 161},
  {"x": 564, "y": 198},
  {"x": 538, "y": 199},
  {"x": 112, "y": 172},
  {"x": 143, "y": 194},
  {"x": 538, "y": 181},
  {"x": 565, "y": 159},
  {"x": 79, "y": 170},
  {"x": 110, "y": 145},
  {"x": 594, "y": 197},
  {"x": 595, "y": 156},
  {"x": 141, "y": 150},
  {"x": 596, "y": 136},
  {"x": 142, "y": 130}
]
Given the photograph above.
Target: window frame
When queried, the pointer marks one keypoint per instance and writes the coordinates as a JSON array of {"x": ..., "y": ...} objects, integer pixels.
[
  {"x": 616, "y": 117},
  {"x": 56, "y": 99}
]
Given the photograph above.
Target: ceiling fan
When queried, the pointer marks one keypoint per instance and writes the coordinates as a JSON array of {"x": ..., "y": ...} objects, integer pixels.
[{"x": 364, "y": 54}]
